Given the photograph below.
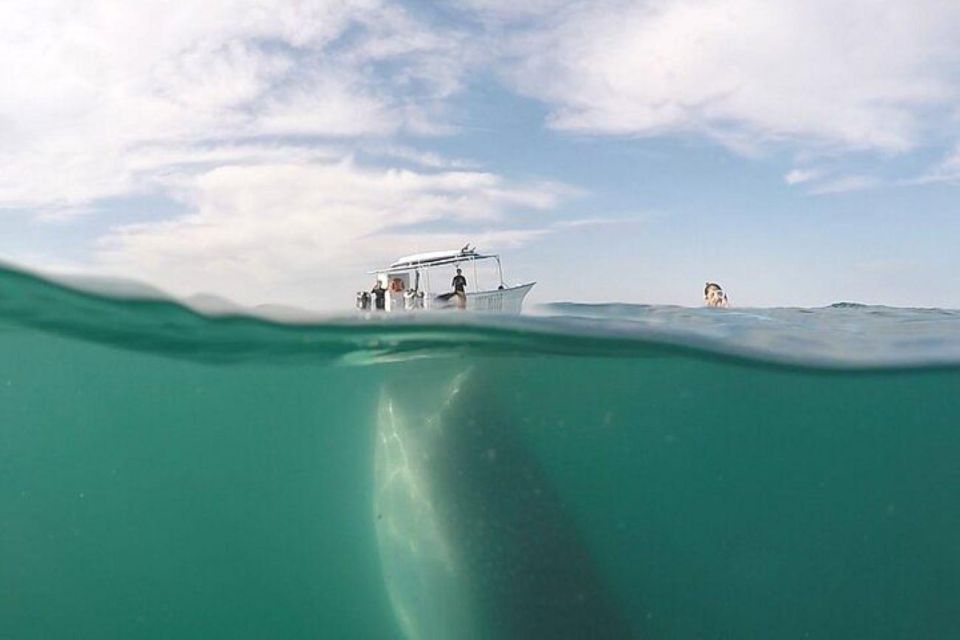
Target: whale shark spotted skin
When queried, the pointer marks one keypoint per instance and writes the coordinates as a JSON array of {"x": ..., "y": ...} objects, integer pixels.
[{"x": 474, "y": 541}]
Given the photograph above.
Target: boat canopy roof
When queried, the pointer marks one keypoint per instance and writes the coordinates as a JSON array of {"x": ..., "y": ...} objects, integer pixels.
[{"x": 435, "y": 259}]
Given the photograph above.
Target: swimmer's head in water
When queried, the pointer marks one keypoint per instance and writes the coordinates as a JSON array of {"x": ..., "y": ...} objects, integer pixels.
[{"x": 714, "y": 296}]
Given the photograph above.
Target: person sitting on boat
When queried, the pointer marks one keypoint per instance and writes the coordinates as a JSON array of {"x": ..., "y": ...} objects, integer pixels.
[
  {"x": 379, "y": 295},
  {"x": 460, "y": 289},
  {"x": 409, "y": 299}
]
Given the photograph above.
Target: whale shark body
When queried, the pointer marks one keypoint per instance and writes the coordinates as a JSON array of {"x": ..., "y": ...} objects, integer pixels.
[{"x": 474, "y": 541}]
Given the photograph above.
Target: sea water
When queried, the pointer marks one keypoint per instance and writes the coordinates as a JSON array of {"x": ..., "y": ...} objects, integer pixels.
[{"x": 594, "y": 471}]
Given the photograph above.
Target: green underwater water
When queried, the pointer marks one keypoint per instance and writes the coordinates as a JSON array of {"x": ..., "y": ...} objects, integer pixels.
[{"x": 169, "y": 475}]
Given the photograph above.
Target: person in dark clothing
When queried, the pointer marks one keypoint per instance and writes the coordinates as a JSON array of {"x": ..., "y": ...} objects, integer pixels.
[
  {"x": 379, "y": 296},
  {"x": 459, "y": 282},
  {"x": 460, "y": 289},
  {"x": 363, "y": 301}
]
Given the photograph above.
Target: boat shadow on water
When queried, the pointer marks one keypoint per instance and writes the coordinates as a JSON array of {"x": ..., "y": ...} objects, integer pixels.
[{"x": 474, "y": 540}]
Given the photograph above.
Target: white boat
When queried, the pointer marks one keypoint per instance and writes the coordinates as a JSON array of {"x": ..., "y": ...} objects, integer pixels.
[{"x": 408, "y": 284}]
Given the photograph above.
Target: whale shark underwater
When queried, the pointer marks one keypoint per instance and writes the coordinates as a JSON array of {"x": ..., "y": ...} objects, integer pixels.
[{"x": 474, "y": 540}]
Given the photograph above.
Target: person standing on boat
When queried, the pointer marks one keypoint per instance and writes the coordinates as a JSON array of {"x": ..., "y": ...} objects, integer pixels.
[
  {"x": 379, "y": 296},
  {"x": 396, "y": 294},
  {"x": 460, "y": 289}
]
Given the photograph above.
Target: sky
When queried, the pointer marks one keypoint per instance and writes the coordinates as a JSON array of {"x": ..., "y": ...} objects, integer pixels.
[{"x": 799, "y": 152}]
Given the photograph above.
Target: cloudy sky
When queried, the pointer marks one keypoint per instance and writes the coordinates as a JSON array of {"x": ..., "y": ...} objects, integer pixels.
[{"x": 800, "y": 152}]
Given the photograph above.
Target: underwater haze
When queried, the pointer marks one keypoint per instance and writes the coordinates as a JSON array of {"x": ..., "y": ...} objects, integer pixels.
[{"x": 602, "y": 471}]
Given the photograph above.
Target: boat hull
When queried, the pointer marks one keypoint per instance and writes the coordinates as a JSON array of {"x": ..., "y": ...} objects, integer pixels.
[{"x": 506, "y": 300}]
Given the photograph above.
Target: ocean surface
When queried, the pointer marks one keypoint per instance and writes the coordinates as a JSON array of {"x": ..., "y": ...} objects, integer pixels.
[{"x": 586, "y": 471}]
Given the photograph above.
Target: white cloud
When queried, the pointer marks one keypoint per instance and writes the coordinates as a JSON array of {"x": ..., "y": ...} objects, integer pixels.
[
  {"x": 948, "y": 170},
  {"x": 845, "y": 184},
  {"x": 97, "y": 94},
  {"x": 509, "y": 10},
  {"x": 862, "y": 74},
  {"x": 306, "y": 233},
  {"x": 823, "y": 182},
  {"x": 799, "y": 176},
  {"x": 585, "y": 223},
  {"x": 92, "y": 89},
  {"x": 425, "y": 159}
]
